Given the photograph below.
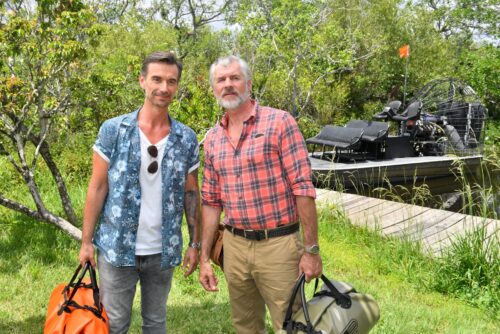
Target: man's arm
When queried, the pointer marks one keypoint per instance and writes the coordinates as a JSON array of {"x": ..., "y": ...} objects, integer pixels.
[
  {"x": 310, "y": 264},
  {"x": 211, "y": 217},
  {"x": 96, "y": 195},
  {"x": 296, "y": 163},
  {"x": 192, "y": 211}
]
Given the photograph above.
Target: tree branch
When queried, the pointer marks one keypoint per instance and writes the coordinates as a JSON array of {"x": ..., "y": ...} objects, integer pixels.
[{"x": 44, "y": 216}]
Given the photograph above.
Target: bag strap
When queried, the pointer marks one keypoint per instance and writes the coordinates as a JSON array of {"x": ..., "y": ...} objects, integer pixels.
[
  {"x": 95, "y": 288},
  {"x": 342, "y": 299},
  {"x": 93, "y": 284}
]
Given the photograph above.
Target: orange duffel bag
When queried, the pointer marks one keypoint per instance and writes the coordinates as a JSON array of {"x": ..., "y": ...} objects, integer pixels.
[{"x": 75, "y": 308}]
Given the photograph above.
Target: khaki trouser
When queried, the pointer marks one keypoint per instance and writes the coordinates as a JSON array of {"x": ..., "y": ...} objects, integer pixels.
[{"x": 260, "y": 273}]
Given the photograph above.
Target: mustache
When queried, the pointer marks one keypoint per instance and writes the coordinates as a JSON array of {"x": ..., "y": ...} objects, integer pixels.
[
  {"x": 230, "y": 90},
  {"x": 161, "y": 94}
]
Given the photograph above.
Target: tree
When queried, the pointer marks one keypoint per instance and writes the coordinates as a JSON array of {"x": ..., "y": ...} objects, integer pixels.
[
  {"x": 189, "y": 18},
  {"x": 42, "y": 53},
  {"x": 294, "y": 51},
  {"x": 467, "y": 18},
  {"x": 480, "y": 69},
  {"x": 112, "y": 11}
]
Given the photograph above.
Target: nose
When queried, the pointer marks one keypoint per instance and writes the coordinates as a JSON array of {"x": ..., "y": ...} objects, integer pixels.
[
  {"x": 164, "y": 86},
  {"x": 227, "y": 84}
]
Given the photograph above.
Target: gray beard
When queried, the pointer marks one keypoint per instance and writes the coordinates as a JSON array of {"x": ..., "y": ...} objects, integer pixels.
[{"x": 233, "y": 104}]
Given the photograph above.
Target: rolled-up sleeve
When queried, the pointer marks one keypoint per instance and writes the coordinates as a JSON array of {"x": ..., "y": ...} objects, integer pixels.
[
  {"x": 295, "y": 158},
  {"x": 106, "y": 140},
  {"x": 210, "y": 190}
]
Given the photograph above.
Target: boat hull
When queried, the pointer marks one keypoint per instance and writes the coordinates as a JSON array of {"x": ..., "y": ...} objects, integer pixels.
[{"x": 404, "y": 170}]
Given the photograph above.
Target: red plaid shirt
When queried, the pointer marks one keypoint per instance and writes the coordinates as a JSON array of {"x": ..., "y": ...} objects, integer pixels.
[{"x": 256, "y": 183}]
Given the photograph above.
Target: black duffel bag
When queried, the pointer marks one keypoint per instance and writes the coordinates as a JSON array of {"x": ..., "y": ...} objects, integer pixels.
[{"x": 336, "y": 309}]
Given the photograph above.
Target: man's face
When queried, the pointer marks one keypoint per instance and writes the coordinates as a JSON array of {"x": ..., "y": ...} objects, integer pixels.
[
  {"x": 160, "y": 84},
  {"x": 230, "y": 87}
]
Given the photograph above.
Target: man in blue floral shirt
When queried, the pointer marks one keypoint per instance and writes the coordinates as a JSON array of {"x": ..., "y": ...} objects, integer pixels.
[{"x": 144, "y": 175}]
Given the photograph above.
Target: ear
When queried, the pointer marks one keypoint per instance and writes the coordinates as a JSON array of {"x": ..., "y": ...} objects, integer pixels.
[
  {"x": 249, "y": 86},
  {"x": 142, "y": 81}
]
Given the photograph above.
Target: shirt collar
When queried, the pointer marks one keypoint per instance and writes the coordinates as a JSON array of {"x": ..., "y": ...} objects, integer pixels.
[{"x": 251, "y": 119}]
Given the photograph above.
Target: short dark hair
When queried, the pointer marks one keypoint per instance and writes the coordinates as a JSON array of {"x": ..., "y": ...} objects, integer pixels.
[{"x": 161, "y": 57}]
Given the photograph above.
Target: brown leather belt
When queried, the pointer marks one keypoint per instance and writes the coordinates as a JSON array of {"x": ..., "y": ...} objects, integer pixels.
[{"x": 264, "y": 234}]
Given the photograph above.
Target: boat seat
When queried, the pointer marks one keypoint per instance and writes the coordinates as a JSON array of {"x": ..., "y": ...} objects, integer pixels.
[
  {"x": 374, "y": 136},
  {"x": 411, "y": 113},
  {"x": 372, "y": 131},
  {"x": 338, "y": 137},
  {"x": 408, "y": 119},
  {"x": 390, "y": 110}
]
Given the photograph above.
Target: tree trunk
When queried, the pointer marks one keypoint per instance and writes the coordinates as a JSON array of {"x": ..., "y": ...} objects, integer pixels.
[
  {"x": 47, "y": 157},
  {"x": 61, "y": 186}
]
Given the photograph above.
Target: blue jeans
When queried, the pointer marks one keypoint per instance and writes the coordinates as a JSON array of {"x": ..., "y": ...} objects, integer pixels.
[{"x": 118, "y": 284}]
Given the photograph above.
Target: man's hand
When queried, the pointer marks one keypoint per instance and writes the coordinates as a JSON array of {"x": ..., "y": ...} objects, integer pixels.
[
  {"x": 190, "y": 262},
  {"x": 207, "y": 277},
  {"x": 87, "y": 254},
  {"x": 311, "y": 266}
]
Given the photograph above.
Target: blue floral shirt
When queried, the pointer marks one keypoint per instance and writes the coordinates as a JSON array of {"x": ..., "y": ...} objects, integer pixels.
[{"x": 118, "y": 141}]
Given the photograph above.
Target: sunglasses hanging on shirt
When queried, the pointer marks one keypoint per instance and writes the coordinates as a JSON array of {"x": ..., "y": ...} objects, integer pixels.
[{"x": 153, "y": 152}]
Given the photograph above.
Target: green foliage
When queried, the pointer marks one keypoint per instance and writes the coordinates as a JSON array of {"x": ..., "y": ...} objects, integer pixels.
[
  {"x": 41, "y": 57},
  {"x": 480, "y": 69},
  {"x": 112, "y": 88},
  {"x": 197, "y": 108},
  {"x": 43, "y": 46},
  {"x": 293, "y": 49},
  {"x": 470, "y": 269}
]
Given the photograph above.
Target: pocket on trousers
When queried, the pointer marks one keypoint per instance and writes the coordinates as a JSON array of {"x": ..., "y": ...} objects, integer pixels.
[{"x": 295, "y": 246}]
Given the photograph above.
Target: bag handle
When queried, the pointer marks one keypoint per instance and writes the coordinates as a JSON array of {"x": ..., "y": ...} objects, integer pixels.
[
  {"x": 340, "y": 298},
  {"x": 93, "y": 284}
]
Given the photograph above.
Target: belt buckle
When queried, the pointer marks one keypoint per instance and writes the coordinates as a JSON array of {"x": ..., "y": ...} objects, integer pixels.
[
  {"x": 245, "y": 233},
  {"x": 258, "y": 234}
]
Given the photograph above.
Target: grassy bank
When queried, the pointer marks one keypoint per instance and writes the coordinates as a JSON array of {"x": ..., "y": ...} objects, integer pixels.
[{"x": 36, "y": 257}]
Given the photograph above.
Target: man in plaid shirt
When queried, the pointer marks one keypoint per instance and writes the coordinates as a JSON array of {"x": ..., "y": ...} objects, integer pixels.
[{"x": 257, "y": 171}]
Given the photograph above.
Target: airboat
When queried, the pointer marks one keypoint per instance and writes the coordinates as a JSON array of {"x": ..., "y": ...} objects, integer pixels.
[{"x": 439, "y": 130}]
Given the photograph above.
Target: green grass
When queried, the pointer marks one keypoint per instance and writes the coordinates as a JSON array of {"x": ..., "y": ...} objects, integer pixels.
[{"x": 36, "y": 257}]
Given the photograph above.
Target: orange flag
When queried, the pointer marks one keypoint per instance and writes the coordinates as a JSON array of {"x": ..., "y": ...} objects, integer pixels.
[{"x": 404, "y": 51}]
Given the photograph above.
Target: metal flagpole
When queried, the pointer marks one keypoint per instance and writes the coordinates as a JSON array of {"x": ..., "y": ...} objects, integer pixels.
[
  {"x": 406, "y": 77},
  {"x": 404, "y": 52}
]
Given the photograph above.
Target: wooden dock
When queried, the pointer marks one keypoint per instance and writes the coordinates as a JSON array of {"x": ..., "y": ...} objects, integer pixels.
[{"x": 436, "y": 229}]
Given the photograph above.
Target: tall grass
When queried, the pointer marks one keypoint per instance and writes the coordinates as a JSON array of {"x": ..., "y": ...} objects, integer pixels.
[{"x": 470, "y": 270}]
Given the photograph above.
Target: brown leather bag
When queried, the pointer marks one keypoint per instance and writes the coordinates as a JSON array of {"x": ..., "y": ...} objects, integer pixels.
[{"x": 217, "y": 254}]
